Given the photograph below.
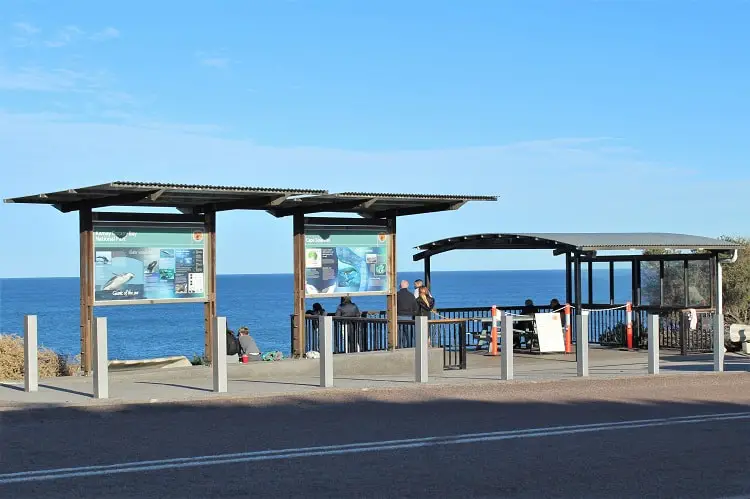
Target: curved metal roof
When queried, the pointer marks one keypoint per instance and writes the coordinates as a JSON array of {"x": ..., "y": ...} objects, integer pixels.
[{"x": 575, "y": 242}]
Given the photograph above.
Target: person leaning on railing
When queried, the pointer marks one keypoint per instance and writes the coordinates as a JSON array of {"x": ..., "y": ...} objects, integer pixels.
[{"x": 425, "y": 305}]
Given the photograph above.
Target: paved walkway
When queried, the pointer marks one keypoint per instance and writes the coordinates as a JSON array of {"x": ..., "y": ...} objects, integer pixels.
[{"x": 195, "y": 383}]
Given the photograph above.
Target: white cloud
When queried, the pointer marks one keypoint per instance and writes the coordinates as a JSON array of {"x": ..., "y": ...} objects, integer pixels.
[
  {"x": 106, "y": 34},
  {"x": 564, "y": 184},
  {"x": 65, "y": 36},
  {"x": 213, "y": 60},
  {"x": 26, "y": 28},
  {"x": 41, "y": 80}
]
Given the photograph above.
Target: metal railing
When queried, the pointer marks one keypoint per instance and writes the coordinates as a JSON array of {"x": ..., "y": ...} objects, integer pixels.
[{"x": 450, "y": 334}]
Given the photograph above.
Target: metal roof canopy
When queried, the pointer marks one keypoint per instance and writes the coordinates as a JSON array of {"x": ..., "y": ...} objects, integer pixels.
[
  {"x": 574, "y": 242},
  {"x": 198, "y": 199}
]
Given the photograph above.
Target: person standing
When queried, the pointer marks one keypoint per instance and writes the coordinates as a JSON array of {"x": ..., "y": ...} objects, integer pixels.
[
  {"x": 425, "y": 305},
  {"x": 406, "y": 305}
]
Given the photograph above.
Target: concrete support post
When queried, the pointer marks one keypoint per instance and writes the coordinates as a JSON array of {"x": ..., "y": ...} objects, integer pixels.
[
  {"x": 421, "y": 347},
  {"x": 219, "y": 355},
  {"x": 653, "y": 344},
  {"x": 325, "y": 348},
  {"x": 101, "y": 359},
  {"x": 582, "y": 342},
  {"x": 719, "y": 342},
  {"x": 506, "y": 346},
  {"x": 30, "y": 354}
]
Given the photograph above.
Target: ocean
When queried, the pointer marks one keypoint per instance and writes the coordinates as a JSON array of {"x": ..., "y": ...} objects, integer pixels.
[{"x": 261, "y": 302}]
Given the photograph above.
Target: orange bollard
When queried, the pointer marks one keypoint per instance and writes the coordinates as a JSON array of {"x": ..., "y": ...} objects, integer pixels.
[
  {"x": 629, "y": 321},
  {"x": 493, "y": 336},
  {"x": 568, "y": 335}
]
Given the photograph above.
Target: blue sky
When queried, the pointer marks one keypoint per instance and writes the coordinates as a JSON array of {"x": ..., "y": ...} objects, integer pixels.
[{"x": 580, "y": 116}]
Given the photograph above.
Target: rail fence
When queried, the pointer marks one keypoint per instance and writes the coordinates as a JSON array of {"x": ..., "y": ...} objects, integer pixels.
[{"x": 456, "y": 329}]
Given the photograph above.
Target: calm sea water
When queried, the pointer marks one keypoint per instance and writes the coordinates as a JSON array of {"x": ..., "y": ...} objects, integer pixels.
[{"x": 261, "y": 302}]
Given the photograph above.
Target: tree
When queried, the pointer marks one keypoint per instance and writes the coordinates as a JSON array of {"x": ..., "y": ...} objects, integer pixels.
[{"x": 736, "y": 285}]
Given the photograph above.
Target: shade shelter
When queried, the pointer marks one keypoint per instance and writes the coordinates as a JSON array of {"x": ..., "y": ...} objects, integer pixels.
[
  {"x": 585, "y": 248},
  {"x": 180, "y": 248}
]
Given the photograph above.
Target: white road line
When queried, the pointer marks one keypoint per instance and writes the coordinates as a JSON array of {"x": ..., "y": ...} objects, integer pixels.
[{"x": 332, "y": 450}]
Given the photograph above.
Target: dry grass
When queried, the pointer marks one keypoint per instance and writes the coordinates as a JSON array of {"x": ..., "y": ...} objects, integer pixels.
[{"x": 51, "y": 364}]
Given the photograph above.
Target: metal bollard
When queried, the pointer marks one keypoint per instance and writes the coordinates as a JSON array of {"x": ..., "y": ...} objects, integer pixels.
[
  {"x": 325, "y": 348},
  {"x": 30, "y": 354},
  {"x": 506, "y": 346},
  {"x": 582, "y": 343},
  {"x": 719, "y": 343},
  {"x": 653, "y": 344},
  {"x": 421, "y": 349},
  {"x": 101, "y": 359},
  {"x": 219, "y": 355}
]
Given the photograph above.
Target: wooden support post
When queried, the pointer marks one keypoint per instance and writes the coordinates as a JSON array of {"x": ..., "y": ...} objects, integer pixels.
[
  {"x": 392, "y": 276},
  {"x": 209, "y": 307},
  {"x": 298, "y": 310},
  {"x": 86, "y": 244}
]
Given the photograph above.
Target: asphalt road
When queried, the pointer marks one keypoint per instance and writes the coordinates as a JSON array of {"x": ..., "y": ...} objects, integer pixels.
[{"x": 671, "y": 436}]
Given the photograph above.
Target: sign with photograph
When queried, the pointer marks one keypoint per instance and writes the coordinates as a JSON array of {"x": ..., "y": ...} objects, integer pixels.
[
  {"x": 346, "y": 261},
  {"x": 141, "y": 262}
]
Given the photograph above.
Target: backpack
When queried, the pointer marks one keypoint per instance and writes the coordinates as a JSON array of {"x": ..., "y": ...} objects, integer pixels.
[{"x": 233, "y": 347}]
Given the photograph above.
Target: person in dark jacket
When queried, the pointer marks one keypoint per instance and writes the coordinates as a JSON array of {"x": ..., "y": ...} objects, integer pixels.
[
  {"x": 347, "y": 308},
  {"x": 349, "y": 329},
  {"x": 425, "y": 303},
  {"x": 406, "y": 306},
  {"x": 405, "y": 302}
]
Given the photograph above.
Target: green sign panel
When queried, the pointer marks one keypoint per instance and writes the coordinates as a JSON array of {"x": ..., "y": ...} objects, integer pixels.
[
  {"x": 344, "y": 261},
  {"x": 134, "y": 262}
]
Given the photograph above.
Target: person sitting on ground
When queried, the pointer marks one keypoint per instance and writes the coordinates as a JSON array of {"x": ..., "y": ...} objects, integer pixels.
[
  {"x": 247, "y": 344},
  {"x": 233, "y": 346}
]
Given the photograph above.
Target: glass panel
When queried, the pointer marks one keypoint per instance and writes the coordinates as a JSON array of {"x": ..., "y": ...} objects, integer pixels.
[
  {"x": 699, "y": 283},
  {"x": 674, "y": 284},
  {"x": 650, "y": 293}
]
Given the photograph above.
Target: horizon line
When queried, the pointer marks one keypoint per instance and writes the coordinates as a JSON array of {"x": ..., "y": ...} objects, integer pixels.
[{"x": 583, "y": 270}]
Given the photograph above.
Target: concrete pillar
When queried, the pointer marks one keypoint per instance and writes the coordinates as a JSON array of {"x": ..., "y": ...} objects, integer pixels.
[
  {"x": 582, "y": 342},
  {"x": 101, "y": 359},
  {"x": 421, "y": 333},
  {"x": 325, "y": 348},
  {"x": 653, "y": 344},
  {"x": 719, "y": 342},
  {"x": 30, "y": 354},
  {"x": 219, "y": 355},
  {"x": 506, "y": 346},
  {"x": 718, "y": 345}
]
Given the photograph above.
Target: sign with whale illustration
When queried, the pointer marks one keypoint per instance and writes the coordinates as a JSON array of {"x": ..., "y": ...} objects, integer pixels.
[
  {"x": 346, "y": 261},
  {"x": 158, "y": 262}
]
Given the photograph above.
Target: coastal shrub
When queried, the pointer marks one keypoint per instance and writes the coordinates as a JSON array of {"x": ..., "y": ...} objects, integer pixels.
[{"x": 51, "y": 363}]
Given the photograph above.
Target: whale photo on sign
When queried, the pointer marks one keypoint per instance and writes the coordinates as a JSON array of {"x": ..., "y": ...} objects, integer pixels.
[{"x": 346, "y": 261}]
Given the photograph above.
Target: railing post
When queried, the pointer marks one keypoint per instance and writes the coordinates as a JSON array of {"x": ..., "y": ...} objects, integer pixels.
[
  {"x": 568, "y": 334},
  {"x": 421, "y": 349},
  {"x": 718, "y": 342},
  {"x": 30, "y": 354},
  {"x": 219, "y": 360},
  {"x": 629, "y": 322},
  {"x": 582, "y": 342},
  {"x": 683, "y": 332},
  {"x": 101, "y": 361},
  {"x": 462, "y": 344},
  {"x": 653, "y": 344},
  {"x": 325, "y": 348},
  {"x": 506, "y": 354}
]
